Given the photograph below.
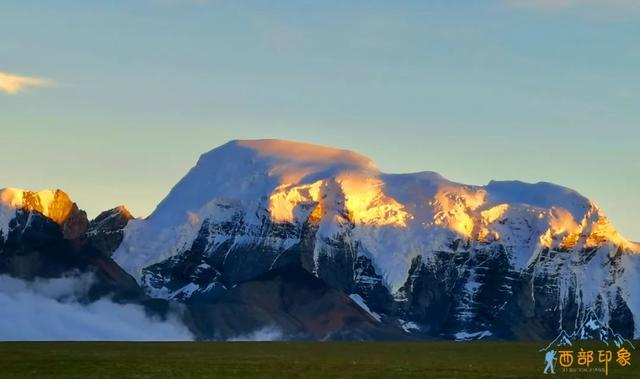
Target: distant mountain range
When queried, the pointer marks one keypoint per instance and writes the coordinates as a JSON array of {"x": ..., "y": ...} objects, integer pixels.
[{"x": 319, "y": 244}]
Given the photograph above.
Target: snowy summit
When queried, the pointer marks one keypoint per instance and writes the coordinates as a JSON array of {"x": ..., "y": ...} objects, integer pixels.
[{"x": 394, "y": 217}]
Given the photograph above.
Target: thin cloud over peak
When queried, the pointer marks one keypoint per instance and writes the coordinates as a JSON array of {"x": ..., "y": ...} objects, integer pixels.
[{"x": 13, "y": 84}]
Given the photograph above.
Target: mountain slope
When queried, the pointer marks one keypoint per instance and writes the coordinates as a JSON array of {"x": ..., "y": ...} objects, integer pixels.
[{"x": 509, "y": 259}]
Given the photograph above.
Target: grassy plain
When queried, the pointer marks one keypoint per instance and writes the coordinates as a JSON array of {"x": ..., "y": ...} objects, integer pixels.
[{"x": 283, "y": 360}]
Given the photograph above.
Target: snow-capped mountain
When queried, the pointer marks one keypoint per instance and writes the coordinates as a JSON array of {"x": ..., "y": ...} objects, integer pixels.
[
  {"x": 507, "y": 260},
  {"x": 319, "y": 243}
]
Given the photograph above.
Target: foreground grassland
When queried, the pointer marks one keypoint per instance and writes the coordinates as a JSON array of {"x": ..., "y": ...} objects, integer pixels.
[{"x": 282, "y": 360}]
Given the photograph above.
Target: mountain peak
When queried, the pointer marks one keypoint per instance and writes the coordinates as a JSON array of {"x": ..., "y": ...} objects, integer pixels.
[
  {"x": 251, "y": 169},
  {"x": 122, "y": 210},
  {"x": 53, "y": 204},
  {"x": 292, "y": 183}
]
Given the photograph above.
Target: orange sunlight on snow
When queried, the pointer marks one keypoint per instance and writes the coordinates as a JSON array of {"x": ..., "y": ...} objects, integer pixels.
[{"x": 55, "y": 205}]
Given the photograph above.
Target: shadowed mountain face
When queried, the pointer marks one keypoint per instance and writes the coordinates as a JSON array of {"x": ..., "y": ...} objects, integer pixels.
[
  {"x": 37, "y": 246},
  {"x": 318, "y": 243},
  {"x": 293, "y": 303}
]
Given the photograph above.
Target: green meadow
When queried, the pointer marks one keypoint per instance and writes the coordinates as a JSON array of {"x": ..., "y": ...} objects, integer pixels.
[{"x": 283, "y": 360}]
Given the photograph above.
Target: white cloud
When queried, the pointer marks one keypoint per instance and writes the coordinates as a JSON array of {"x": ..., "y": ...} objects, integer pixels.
[
  {"x": 268, "y": 333},
  {"x": 48, "y": 310},
  {"x": 13, "y": 84}
]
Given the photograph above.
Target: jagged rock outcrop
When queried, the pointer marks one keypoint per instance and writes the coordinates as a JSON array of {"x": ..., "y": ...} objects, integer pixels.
[
  {"x": 44, "y": 235},
  {"x": 106, "y": 231}
]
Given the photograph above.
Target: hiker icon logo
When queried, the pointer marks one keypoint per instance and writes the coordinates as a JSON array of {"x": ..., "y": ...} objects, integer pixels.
[{"x": 575, "y": 353}]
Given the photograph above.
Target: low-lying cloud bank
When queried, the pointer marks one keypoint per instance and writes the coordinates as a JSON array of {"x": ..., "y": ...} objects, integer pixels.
[
  {"x": 48, "y": 310},
  {"x": 269, "y": 333}
]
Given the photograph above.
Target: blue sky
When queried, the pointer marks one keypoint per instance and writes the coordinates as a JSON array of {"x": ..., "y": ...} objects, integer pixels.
[{"x": 125, "y": 95}]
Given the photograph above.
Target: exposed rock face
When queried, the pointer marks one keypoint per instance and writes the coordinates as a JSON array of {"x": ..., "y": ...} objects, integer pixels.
[
  {"x": 35, "y": 247},
  {"x": 106, "y": 231},
  {"x": 295, "y": 304},
  {"x": 59, "y": 210},
  {"x": 74, "y": 226}
]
